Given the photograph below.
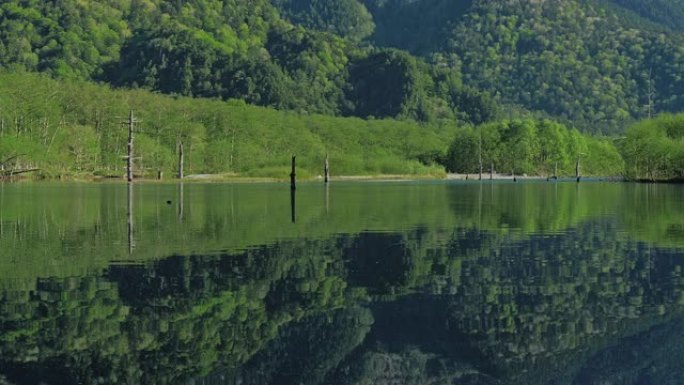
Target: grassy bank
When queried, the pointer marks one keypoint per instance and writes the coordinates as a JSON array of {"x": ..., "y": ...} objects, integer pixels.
[{"x": 74, "y": 129}]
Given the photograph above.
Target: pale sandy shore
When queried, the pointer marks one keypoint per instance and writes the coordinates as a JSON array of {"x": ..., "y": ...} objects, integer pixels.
[{"x": 495, "y": 176}]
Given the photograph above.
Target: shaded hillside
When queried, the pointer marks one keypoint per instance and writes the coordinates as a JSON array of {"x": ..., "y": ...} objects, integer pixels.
[
  {"x": 573, "y": 60},
  {"x": 666, "y": 13},
  {"x": 225, "y": 49},
  {"x": 596, "y": 65}
]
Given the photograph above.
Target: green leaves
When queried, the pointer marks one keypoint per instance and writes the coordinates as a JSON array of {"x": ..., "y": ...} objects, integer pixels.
[
  {"x": 535, "y": 147},
  {"x": 347, "y": 18},
  {"x": 654, "y": 149}
]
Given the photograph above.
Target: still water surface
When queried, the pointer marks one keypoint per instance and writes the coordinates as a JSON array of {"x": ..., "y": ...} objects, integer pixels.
[{"x": 357, "y": 283}]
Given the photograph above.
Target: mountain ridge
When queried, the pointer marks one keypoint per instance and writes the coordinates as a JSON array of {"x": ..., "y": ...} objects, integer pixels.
[{"x": 582, "y": 62}]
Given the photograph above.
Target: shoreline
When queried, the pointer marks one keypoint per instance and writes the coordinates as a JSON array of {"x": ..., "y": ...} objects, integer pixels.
[
  {"x": 235, "y": 178},
  {"x": 224, "y": 178}
]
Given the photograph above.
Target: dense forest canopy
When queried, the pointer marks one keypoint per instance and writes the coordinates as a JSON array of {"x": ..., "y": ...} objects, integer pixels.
[
  {"x": 229, "y": 49},
  {"x": 537, "y": 147},
  {"x": 72, "y": 127},
  {"x": 591, "y": 64},
  {"x": 583, "y": 62},
  {"x": 654, "y": 149},
  {"x": 662, "y": 13},
  {"x": 596, "y": 66}
]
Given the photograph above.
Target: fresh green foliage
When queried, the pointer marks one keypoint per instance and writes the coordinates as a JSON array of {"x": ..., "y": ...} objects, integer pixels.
[
  {"x": 238, "y": 49},
  {"x": 73, "y": 127},
  {"x": 654, "y": 149},
  {"x": 577, "y": 61},
  {"x": 537, "y": 147},
  {"x": 347, "y": 18}
]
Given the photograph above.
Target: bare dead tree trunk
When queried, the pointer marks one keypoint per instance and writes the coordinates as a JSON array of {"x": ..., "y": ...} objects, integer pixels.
[
  {"x": 326, "y": 170},
  {"x": 555, "y": 171},
  {"x": 181, "y": 159},
  {"x": 293, "y": 174},
  {"x": 480, "y": 156},
  {"x": 232, "y": 150},
  {"x": 129, "y": 159}
]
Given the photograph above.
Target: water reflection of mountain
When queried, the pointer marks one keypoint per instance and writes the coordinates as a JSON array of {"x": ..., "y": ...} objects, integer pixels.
[
  {"x": 71, "y": 230},
  {"x": 370, "y": 308}
]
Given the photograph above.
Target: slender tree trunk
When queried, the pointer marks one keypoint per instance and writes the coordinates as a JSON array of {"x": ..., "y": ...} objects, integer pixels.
[
  {"x": 181, "y": 160},
  {"x": 129, "y": 163},
  {"x": 555, "y": 171},
  {"x": 232, "y": 151},
  {"x": 293, "y": 174},
  {"x": 326, "y": 170},
  {"x": 480, "y": 156}
]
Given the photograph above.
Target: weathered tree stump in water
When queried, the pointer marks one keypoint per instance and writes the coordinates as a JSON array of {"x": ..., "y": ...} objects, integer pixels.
[
  {"x": 293, "y": 174},
  {"x": 129, "y": 159},
  {"x": 326, "y": 170},
  {"x": 181, "y": 159}
]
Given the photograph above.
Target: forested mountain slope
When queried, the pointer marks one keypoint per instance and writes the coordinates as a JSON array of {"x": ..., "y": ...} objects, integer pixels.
[
  {"x": 596, "y": 64},
  {"x": 667, "y": 13},
  {"x": 233, "y": 49}
]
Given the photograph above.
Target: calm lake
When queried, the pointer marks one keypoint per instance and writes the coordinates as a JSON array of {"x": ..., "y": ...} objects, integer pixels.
[{"x": 357, "y": 283}]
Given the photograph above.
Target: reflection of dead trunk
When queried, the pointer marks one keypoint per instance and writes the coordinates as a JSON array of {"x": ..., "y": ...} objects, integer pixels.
[
  {"x": 181, "y": 204},
  {"x": 293, "y": 205},
  {"x": 2, "y": 203},
  {"x": 129, "y": 215},
  {"x": 327, "y": 198}
]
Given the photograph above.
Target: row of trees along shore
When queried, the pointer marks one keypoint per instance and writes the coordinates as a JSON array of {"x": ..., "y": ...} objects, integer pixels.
[
  {"x": 534, "y": 147},
  {"x": 654, "y": 149},
  {"x": 72, "y": 128}
]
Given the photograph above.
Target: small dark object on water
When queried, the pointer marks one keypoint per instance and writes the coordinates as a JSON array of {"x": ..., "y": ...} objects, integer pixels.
[
  {"x": 168, "y": 202},
  {"x": 515, "y": 179}
]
